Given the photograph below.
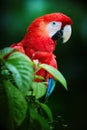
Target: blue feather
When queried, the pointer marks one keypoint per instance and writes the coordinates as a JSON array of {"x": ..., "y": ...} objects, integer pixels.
[{"x": 50, "y": 88}]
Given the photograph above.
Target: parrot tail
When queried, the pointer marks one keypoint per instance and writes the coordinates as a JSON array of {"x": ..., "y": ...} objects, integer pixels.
[{"x": 51, "y": 86}]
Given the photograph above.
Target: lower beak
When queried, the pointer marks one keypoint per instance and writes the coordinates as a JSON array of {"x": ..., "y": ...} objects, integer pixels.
[{"x": 58, "y": 35}]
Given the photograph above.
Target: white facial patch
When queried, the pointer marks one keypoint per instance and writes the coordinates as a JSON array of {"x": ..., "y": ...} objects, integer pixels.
[{"x": 53, "y": 27}]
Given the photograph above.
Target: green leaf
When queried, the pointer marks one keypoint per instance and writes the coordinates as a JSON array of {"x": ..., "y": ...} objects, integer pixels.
[
  {"x": 34, "y": 115},
  {"x": 39, "y": 89},
  {"x": 39, "y": 77},
  {"x": 55, "y": 73},
  {"x": 5, "y": 52},
  {"x": 47, "y": 110},
  {"x": 16, "y": 103},
  {"x": 3, "y": 104},
  {"x": 22, "y": 69}
]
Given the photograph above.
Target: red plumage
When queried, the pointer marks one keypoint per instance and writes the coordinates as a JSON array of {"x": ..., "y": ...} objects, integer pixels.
[{"x": 37, "y": 44}]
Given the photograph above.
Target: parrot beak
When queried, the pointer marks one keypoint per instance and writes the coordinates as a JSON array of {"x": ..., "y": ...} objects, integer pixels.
[
  {"x": 66, "y": 33},
  {"x": 63, "y": 34}
]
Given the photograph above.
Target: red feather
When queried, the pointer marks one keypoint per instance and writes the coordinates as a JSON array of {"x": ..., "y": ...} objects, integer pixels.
[{"x": 37, "y": 44}]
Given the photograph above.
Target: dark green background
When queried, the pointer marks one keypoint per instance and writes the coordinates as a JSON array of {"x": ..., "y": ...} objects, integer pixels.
[{"x": 16, "y": 15}]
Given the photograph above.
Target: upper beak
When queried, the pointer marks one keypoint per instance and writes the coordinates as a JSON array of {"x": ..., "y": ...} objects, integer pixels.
[{"x": 66, "y": 33}]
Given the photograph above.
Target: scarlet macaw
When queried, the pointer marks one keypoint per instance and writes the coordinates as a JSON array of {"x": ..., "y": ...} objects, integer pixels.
[{"x": 40, "y": 41}]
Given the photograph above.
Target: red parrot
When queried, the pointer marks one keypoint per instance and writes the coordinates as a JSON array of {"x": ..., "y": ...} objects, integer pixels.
[{"x": 40, "y": 41}]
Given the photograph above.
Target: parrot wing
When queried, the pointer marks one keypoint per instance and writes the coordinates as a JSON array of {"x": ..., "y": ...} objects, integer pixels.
[{"x": 18, "y": 47}]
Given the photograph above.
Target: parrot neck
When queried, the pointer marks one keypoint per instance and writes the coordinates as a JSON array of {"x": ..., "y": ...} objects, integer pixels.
[{"x": 39, "y": 43}]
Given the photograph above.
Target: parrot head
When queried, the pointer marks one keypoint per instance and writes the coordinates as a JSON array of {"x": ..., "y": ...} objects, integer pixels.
[
  {"x": 58, "y": 26},
  {"x": 45, "y": 31}
]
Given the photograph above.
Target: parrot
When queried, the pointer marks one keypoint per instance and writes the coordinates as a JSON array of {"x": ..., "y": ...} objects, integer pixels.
[{"x": 40, "y": 40}]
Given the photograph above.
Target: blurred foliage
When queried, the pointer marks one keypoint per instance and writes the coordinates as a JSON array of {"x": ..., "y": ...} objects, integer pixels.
[
  {"x": 22, "y": 95},
  {"x": 16, "y": 15}
]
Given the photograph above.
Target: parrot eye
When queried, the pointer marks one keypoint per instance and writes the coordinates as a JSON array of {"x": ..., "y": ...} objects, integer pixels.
[{"x": 53, "y": 23}]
